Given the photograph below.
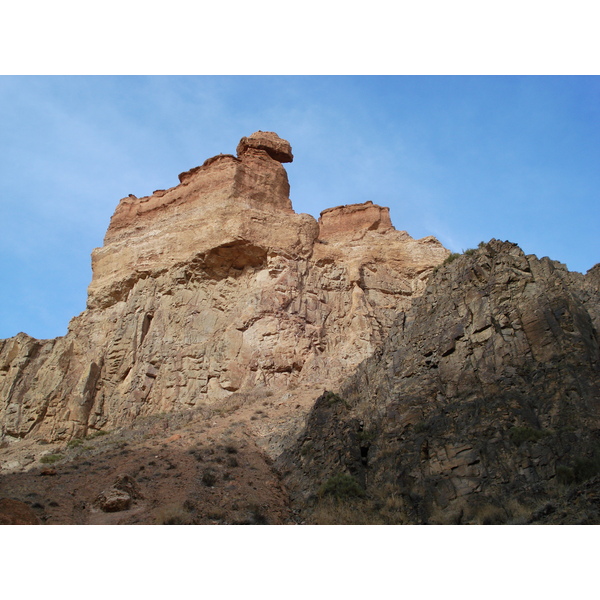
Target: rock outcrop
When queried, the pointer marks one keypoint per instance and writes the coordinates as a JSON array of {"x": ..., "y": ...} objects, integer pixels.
[
  {"x": 119, "y": 496},
  {"x": 278, "y": 149},
  {"x": 353, "y": 219},
  {"x": 211, "y": 288},
  {"x": 482, "y": 405}
]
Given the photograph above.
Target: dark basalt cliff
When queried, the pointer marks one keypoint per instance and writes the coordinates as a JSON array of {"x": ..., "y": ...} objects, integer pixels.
[{"x": 482, "y": 406}]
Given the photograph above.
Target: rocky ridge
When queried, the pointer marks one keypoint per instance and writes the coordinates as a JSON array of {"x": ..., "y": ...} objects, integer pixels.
[{"x": 482, "y": 405}]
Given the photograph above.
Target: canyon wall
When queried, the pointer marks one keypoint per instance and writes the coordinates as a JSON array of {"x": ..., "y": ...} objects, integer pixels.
[
  {"x": 211, "y": 288},
  {"x": 482, "y": 404}
]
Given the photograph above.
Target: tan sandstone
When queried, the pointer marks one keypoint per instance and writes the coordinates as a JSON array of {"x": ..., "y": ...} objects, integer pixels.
[{"x": 211, "y": 288}]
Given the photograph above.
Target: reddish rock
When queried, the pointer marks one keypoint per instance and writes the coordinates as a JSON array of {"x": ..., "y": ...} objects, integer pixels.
[
  {"x": 113, "y": 500},
  {"x": 15, "y": 512},
  {"x": 277, "y": 148},
  {"x": 354, "y": 218}
]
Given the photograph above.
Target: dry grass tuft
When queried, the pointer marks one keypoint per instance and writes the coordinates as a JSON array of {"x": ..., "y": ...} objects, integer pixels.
[
  {"x": 385, "y": 507},
  {"x": 173, "y": 514}
]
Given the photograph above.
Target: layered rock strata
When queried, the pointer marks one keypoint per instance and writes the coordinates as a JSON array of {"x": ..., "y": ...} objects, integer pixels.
[{"x": 212, "y": 287}]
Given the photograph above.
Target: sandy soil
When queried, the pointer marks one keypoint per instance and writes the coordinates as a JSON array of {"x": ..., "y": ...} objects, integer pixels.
[{"x": 212, "y": 465}]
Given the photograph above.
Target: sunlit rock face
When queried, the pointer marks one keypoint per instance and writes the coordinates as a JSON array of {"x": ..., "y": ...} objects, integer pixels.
[{"x": 213, "y": 287}]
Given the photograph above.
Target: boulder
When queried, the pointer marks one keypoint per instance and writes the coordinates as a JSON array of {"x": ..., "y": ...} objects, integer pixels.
[
  {"x": 120, "y": 495},
  {"x": 268, "y": 141},
  {"x": 113, "y": 500}
]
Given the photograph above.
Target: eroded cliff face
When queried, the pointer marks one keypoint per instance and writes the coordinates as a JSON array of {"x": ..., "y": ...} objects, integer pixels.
[
  {"x": 482, "y": 405},
  {"x": 211, "y": 288}
]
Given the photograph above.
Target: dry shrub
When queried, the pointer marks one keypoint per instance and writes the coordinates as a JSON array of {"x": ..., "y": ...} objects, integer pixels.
[
  {"x": 330, "y": 511},
  {"x": 470, "y": 510},
  {"x": 209, "y": 478},
  {"x": 342, "y": 486},
  {"x": 216, "y": 513},
  {"x": 173, "y": 514},
  {"x": 391, "y": 506},
  {"x": 384, "y": 507}
]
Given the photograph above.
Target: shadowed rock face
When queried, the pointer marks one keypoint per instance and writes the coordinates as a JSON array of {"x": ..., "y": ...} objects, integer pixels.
[
  {"x": 213, "y": 287},
  {"x": 483, "y": 402}
]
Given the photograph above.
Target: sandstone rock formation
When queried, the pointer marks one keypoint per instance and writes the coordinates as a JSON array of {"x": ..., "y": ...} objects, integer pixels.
[
  {"x": 347, "y": 220},
  {"x": 278, "y": 149},
  {"x": 211, "y": 288},
  {"x": 252, "y": 365},
  {"x": 482, "y": 405}
]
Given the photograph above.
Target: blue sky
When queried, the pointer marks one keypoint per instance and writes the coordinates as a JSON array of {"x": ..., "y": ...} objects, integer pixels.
[{"x": 462, "y": 158}]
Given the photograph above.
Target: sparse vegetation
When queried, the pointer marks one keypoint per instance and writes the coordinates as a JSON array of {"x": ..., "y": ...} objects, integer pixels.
[
  {"x": 579, "y": 471},
  {"x": 518, "y": 435},
  {"x": 586, "y": 468},
  {"x": 209, "y": 477},
  {"x": 385, "y": 508},
  {"x": 420, "y": 427},
  {"x": 50, "y": 459},
  {"x": 565, "y": 475},
  {"x": 332, "y": 512},
  {"x": 468, "y": 252},
  {"x": 306, "y": 448},
  {"x": 173, "y": 514},
  {"x": 342, "y": 486},
  {"x": 232, "y": 462},
  {"x": 258, "y": 516},
  {"x": 484, "y": 511},
  {"x": 451, "y": 258},
  {"x": 74, "y": 443},
  {"x": 332, "y": 399},
  {"x": 216, "y": 513},
  {"x": 489, "y": 514},
  {"x": 196, "y": 453},
  {"x": 366, "y": 436},
  {"x": 254, "y": 516}
]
